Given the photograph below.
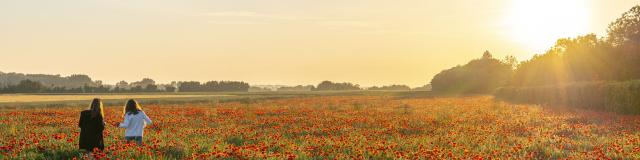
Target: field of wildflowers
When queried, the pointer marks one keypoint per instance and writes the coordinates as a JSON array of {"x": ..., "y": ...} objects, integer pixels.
[{"x": 334, "y": 127}]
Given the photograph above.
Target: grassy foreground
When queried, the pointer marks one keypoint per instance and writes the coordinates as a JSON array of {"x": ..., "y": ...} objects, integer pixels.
[{"x": 342, "y": 127}]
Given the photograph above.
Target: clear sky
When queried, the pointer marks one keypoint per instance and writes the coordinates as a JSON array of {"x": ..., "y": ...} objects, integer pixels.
[{"x": 290, "y": 42}]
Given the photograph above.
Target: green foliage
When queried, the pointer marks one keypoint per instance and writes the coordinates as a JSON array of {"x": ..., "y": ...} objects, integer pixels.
[
  {"x": 621, "y": 97},
  {"x": 235, "y": 140},
  {"x": 478, "y": 76}
]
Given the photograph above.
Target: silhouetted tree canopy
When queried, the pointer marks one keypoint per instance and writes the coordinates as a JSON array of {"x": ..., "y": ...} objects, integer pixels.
[
  {"x": 73, "y": 81},
  {"x": 25, "y": 86},
  {"x": 25, "y": 83},
  {"x": 624, "y": 36},
  {"x": 213, "y": 86},
  {"x": 331, "y": 86},
  {"x": 478, "y": 76},
  {"x": 626, "y": 29},
  {"x": 170, "y": 88}
]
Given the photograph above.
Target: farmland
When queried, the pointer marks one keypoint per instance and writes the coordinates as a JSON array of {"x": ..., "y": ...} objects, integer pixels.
[{"x": 334, "y": 126}]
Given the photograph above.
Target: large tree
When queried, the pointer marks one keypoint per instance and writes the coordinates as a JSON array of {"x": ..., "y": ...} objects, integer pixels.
[
  {"x": 624, "y": 35},
  {"x": 478, "y": 76}
]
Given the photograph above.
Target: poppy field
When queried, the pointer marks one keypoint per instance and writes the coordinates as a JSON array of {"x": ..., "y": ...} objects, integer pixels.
[{"x": 333, "y": 127}]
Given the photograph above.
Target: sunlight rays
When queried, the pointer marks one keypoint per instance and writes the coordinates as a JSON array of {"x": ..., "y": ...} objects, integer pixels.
[{"x": 537, "y": 24}]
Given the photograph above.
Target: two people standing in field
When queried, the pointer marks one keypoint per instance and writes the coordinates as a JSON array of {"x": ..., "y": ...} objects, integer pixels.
[{"x": 92, "y": 125}]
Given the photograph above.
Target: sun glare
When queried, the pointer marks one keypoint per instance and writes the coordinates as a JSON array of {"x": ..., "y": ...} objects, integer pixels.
[{"x": 537, "y": 24}]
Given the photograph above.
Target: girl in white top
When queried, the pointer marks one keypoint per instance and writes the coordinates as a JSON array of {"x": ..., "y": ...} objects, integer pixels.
[{"x": 134, "y": 121}]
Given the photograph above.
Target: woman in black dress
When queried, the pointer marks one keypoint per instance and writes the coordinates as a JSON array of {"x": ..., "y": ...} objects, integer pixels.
[{"x": 91, "y": 127}]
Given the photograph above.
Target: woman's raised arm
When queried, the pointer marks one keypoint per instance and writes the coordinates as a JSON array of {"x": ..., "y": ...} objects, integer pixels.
[{"x": 125, "y": 124}]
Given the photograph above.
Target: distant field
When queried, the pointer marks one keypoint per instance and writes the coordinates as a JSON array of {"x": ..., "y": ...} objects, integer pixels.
[
  {"x": 34, "y": 98},
  {"x": 11, "y": 98},
  {"x": 25, "y": 101}
]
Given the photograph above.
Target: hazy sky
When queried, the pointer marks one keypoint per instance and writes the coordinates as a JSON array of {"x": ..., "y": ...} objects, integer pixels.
[{"x": 368, "y": 42}]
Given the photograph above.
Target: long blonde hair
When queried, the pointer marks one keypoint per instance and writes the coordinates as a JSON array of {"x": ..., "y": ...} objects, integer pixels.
[{"x": 96, "y": 108}]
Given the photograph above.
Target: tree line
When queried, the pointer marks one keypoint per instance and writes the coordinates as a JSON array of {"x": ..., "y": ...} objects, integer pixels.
[
  {"x": 213, "y": 86},
  {"x": 149, "y": 85},
  {"x": 145, "y": 85},
  {"x": 393, "y": 87},
  {"x": 600, "y": 73},
  {"x": 333, "y": 86},
  {"x": 296, "y": 88},
  {"x": 478, "y": 76},
  {"x": 587, "y": 58},
  {"x": 72, "y": 81}
]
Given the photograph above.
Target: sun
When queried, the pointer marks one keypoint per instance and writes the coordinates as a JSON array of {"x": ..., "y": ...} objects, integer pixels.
[{"x": 537, "y": 24}]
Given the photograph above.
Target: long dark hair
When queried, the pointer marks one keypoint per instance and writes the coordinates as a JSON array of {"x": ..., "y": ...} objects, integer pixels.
[
  {"x": 132, "y": 107},
  {"x": 96, "y": 108}
]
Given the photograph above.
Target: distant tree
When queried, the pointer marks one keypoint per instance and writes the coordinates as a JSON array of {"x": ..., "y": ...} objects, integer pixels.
[
  {"x": 116, "y": 89},
  {"x": 73, "y": 81},
  {"x": 143, "y": 83},
  {"x": 80, "y": 80},
  {"x": 75, "y": 90},
  {"x": 213, "y": 86},
  {"x": 391, "y": 88},
  {"x": 330, "y": 86},
  {"x": 297, "y": 88},
  {"x": 151, "y": 88},
  {"x": 191, "y": 86},
  {"x": 122, "y": 84},
  {"x": 170, "y": 88},
  {"x": 137, "y": 89},
  {"x": 55, "y": 89},
  {"x": 423, "y": 88},
  {"x": 28, "y": 86}
]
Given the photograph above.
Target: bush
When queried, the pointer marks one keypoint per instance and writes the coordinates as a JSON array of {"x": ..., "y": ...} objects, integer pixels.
[{"x": 621, "y": 97}]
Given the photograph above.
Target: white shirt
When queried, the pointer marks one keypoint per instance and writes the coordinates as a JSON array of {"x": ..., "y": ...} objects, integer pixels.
[{"x": 135, "y": 123}]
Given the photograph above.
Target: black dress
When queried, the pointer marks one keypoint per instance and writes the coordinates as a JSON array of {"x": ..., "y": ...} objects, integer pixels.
[{"x": 91, "y": 131}]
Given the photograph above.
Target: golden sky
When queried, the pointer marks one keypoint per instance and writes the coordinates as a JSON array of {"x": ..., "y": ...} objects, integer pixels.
[{"x": 290, "y": 42}]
